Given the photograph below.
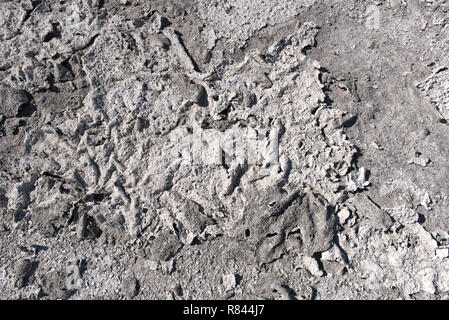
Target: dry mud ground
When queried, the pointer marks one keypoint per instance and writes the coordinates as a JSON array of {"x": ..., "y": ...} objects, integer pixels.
[{"x": 219, "y": 149}]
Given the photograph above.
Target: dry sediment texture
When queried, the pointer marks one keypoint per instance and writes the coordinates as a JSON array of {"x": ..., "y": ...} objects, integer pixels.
[{"x": 112, "y": 187}]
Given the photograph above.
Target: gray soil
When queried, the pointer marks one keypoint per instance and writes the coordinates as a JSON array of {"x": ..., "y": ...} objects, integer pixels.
[{"x": 111, "y": 187}]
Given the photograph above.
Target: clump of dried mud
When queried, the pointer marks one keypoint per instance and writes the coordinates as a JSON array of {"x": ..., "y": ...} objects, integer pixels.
[{"x": 224, "y": 149}]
